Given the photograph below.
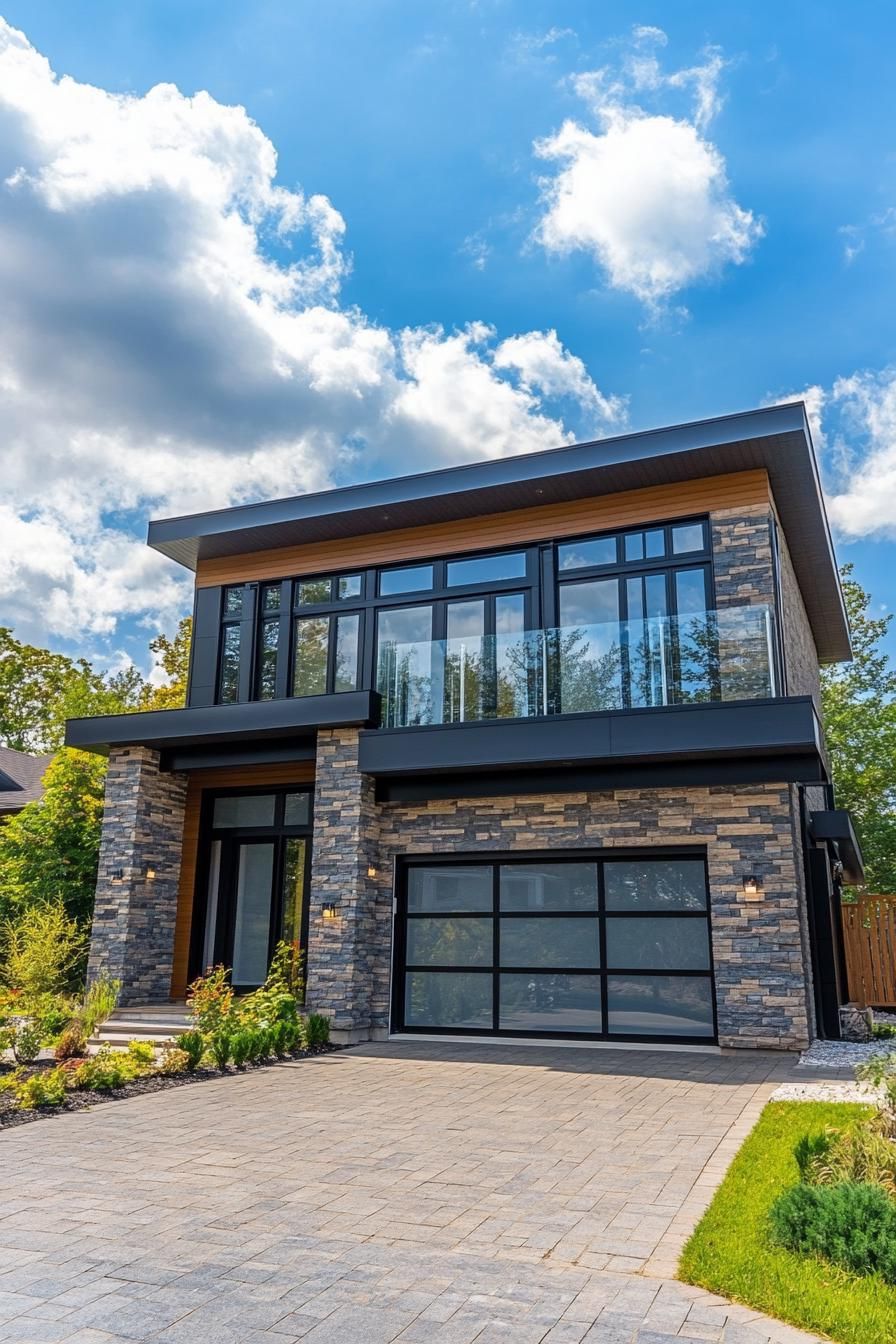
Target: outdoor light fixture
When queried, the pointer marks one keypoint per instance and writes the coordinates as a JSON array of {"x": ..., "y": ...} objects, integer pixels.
[
  {"x": 329, "y": 910},
  {"x": 371, "y": 872},
  {"x": 150, "y": 871},
  {"x": 752, "y": 885},
  {"x": 117, "y": 874}
]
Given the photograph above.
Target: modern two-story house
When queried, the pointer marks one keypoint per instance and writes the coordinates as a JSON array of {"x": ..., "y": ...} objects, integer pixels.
[{"x": 529, "y": 747}]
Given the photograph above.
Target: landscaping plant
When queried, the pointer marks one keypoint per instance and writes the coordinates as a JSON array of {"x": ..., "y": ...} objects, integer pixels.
[
  {"x": 241, "y": 1047},
  {"x": 210, "y": 1000},
  {"x": 193, "y": 1045},
  {"x": 42, "y": 1089},
  {"x": 221, "y": 1046},
  {"x": 45, "y": 951},
  {"x": 26, "y": 1042},
  {"x": 104, "y": 1071},
  {"x": 315, "y": 1030},
  {"x": 99, "y": 1003},
  {"x": 72, "y": 1044},
  {"x": 173, "y": 1061},
  {"x": 852, "y": 1224},
  {"x": 141, "y": 1057}
]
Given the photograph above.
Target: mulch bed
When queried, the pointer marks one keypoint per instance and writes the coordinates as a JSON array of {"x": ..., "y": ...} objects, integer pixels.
[{"x": 83, "y": 1099}]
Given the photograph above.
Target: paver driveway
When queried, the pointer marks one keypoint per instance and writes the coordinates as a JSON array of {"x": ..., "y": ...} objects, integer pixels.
[{"x": 425, "y": 1193}]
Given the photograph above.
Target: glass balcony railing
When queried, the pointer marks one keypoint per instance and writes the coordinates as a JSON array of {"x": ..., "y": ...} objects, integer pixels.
[{"x": 727, "y": 654}]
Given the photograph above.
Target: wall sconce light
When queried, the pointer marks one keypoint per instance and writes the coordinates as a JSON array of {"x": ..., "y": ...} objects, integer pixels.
[
  {"x": 371, "y": 872},
  {"x": 150, "y": 871},
  {"x": 117, "y": 874},
  {"x": 329, "y": 910},
  {"x": 752, "y": 887}
]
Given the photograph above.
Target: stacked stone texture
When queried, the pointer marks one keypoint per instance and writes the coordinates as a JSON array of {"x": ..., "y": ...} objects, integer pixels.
[
  {"x": 802, "y": 656},
  {"x": 134, "y": 917},
  {"x": 343, "y": 951}
]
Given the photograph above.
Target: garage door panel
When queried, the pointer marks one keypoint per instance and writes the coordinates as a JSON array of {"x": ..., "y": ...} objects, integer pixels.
[{"x": 598, "y": 946}]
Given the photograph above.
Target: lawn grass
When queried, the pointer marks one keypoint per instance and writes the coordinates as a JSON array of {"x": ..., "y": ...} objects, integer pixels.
[{"x": 730, "y": 1252}]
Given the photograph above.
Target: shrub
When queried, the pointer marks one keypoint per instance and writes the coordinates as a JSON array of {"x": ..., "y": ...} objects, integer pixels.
[
  {"x": 53, "y": 1013},
  {"x": 883, "y": 1031},
  {"x": 26, "y": 1042},
  {"x": 104, "y": 1071},
  {"x": 241, "y": 1046},
  {"x": 174, "y": 1061},
  {"x": 45, "y": 950},
  {"x": 261, "y": 1045},
  {"x": 315, "y": 1030},
  {"x": 210, "y": 1000},
  {"x": 141, "y": 1057},
  {"x": 99, "y": 1003},
  {"x": 811, "y": 1150},
  {"x": 193, "y": 1045},
  {"x": 10, "y": 1081},
  {"x": 72, "y": 1044},
  {"x": 851, "y": 1224},
  {"x": 221, "y": 1046},
  {"x": 42, "y": 1089}
]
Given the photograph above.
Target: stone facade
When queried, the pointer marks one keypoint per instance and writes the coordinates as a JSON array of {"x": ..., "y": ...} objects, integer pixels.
[
  {"x": 759, "y": 952},
  {"x": 343, "y": 951},
  {"x": 134, "y": 917},
  {"x": 742, "y": 557},
  {"x": 802, "y": 656}
]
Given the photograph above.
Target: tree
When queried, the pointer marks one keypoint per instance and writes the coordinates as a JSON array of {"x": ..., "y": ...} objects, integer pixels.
[
  {"x": 173, "y": 658},
  {"x": 859, "y": 708}
]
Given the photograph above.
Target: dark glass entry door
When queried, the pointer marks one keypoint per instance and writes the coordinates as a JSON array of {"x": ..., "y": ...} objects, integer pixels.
[{"x": 258, "y": 850}]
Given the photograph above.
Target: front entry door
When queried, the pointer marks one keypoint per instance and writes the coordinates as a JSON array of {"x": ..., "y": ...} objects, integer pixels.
[{"x": 258, "y": 849}]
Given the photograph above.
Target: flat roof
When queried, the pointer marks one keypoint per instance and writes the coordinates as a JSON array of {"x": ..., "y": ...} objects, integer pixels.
[{"x": 775, "y": 438}]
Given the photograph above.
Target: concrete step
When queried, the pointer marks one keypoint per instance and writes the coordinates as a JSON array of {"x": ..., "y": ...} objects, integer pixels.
[{"x": 156, "y": 1023}]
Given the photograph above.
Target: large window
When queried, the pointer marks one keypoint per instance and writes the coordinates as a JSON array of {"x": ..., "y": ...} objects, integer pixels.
[
  {"x": 567, "y": 945},
  {"x": 635, "y": 617}
]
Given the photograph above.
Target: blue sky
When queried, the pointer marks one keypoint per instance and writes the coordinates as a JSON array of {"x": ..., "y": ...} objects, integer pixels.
[{"x": 504, "y": 164}]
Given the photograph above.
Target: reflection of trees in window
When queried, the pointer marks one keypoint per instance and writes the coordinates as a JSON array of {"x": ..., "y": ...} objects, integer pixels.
[{"x": 310, "y": 668}]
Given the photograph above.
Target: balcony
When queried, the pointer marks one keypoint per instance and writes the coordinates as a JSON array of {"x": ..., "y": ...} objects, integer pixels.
[
  {"x": 727, "y": 654},
  {"x": 585, "y": 701}
]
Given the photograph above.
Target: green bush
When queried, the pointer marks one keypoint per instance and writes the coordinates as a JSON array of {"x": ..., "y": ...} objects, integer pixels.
[
  {"x": 883, "y": 1031},
  {"x": 193, "y": 1045},
  {"x": 210, "y": 1000},
  {"x": 221, "y": 1046},
  {"x": 851, "y": 1224},
  {"x": 104, "y": 1071},
  {"x": 53, "y": 1013},
  {"x": 99, "y": 1004},
  {"x": 141, "y": 1057},
  {"x": 315, "y": 1030},
  {"x": 42, "y": 1089},
  {"x": 173, "y": 1061},
  {"x": 261, "y": 1045},
  {"x": 241, "y": 1046},
  {"x": 45, "y": 951},
  {"x": 27, "y": 1041}
]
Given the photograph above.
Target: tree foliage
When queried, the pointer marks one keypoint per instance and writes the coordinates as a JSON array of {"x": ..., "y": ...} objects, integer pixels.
[
  {"x": 859, "y": 704},
  {"x": 49, "y": 851}
]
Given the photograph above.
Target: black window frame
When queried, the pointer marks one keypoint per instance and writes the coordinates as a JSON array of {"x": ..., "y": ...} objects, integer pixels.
[
  {"x": 278, "y": 832},
  {"x": 495, "y": 859}
]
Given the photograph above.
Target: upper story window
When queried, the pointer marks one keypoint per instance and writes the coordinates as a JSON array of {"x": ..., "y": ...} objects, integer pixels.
[
  {"x": 326, "y": 639},
  {"x": 486, "y": 569},
  {"x": 411, "y": 579},
  {"x": 231, "y": 644},
  {"x": 637, "y": 547}
]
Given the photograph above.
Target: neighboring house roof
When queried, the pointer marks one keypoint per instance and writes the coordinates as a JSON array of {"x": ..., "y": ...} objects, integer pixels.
[
  {"x": 20, "y": 779},
  {"x": 775, "y": 438}
]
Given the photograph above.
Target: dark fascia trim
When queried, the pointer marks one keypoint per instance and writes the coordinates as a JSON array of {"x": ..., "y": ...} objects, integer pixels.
[
  {"x": 660, "y": 775},
  {"x": 170, "y": 729},
  {"x": 211, "y": 758},
  {"x": 778, "y": 727},
  {"x": 836, "y": 825},
  {"x": 776, "y": 438}
]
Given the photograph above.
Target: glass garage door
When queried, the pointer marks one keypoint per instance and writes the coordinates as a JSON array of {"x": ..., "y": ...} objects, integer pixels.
[{"x": 614, "y": 948}]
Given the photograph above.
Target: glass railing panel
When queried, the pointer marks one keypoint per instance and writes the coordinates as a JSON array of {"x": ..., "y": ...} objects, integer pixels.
[{"x": 651, "y": 662}]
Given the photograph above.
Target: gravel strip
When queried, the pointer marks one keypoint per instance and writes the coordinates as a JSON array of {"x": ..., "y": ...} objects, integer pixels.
[
  {"x": 823, "y": 1090},
  {"x": 842, "y": 1054}
]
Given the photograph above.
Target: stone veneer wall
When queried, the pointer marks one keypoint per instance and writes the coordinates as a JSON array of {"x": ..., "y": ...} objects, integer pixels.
[
  {"x": 761, "y": 972},
  {"x": 802, "y": 656},
  {"x": 134, "y": 916},
  {"x": 342, "y": 952},
  {"x": 742, "y": 556}
]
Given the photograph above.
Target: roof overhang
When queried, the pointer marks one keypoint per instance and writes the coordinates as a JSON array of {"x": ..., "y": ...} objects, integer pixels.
[
  {"x": 261, "y": 721},
  {"x": 835, "y": 826},
  {"x": 776, "y": 439}
]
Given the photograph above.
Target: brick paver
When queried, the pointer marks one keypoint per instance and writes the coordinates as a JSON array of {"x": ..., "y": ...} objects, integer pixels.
[{"x": 423, "y": 1193}]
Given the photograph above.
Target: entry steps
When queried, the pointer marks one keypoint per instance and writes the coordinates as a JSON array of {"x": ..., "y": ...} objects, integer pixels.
[{"x": 154, "y": 1022}]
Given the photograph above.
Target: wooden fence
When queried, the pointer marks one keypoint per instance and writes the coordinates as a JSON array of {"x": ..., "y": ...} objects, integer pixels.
[{"x": 869, "y": 939}]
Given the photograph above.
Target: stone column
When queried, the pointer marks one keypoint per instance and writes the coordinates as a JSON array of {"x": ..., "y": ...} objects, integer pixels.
[
  {"x": 342, "y": 949},
  {"x": 134, "y": 915}
]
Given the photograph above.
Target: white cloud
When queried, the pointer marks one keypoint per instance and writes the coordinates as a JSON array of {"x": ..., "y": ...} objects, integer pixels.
[
  {"x": 172, "y": 338},
  {"x": 643, "y": 191},
  {"x": 853, "y": 425}
]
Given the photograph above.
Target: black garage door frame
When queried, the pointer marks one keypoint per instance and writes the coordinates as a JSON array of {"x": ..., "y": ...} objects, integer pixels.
[{"x": 494, "y": 859}]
